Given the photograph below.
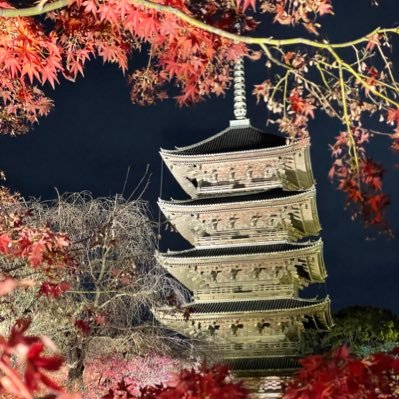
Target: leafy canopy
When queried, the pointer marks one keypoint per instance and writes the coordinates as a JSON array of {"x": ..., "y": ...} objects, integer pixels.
[
  {"x": 339, "y": 375},
  {"x": 191, "y": 45},
  {"x": 364, "y": 329}
]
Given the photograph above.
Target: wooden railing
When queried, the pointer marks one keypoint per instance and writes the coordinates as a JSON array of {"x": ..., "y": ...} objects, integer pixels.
[
  {"x": 241, "y": 185},
  {"x": 239, "y": 291},
  {"x": 260, "y": 348},
  {"x": 231, "y": 237}
]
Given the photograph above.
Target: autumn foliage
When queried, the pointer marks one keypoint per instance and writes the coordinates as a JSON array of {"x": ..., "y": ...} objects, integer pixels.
[
  {"x": 104, "y": 373},
  {"x": 37, "y": 246},
  {"x": 191, "y": 46},
  {"x": 26, "y": 360},
  {"x": 213, "y": 382},
  {"x": 343, "y": 376}
]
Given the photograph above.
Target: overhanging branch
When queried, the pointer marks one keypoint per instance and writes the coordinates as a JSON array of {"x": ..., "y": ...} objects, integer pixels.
[
  {"x": 33, "y": 11},
  {"x": 58, "y": 4}
]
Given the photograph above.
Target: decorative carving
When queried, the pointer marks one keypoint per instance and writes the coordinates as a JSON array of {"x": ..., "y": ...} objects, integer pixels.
[
  {"x": 214, "y": 275},
  {"x": 261, "y": 326},
  {"x": 234, "y": 273},
  {"x": 235, "y": 327},
  {"x": 232, "y": 222},
  {"x": 254, "y": 220},
  {"x": 213, "y": 328}
]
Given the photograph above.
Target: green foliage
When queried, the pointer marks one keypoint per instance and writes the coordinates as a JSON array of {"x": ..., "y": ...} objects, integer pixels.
[{"x": 365, "y": 329}]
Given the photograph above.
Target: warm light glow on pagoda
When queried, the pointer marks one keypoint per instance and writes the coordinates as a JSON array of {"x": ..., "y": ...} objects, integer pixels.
[{"x": 252, "y": 221}]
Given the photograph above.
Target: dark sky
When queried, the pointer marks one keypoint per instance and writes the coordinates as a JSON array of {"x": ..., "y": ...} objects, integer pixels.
[{"x": 94, "y": 134}]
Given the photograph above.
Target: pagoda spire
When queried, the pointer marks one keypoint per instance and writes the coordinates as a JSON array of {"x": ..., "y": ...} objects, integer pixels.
[{"x": 240, "y": 100}]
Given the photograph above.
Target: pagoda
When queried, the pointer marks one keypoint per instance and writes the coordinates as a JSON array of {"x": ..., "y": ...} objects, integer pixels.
[{"x": 253, "y": 226}]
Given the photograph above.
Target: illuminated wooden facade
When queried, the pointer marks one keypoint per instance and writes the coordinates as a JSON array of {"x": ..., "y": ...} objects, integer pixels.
[{"x": 253, "y": 224}]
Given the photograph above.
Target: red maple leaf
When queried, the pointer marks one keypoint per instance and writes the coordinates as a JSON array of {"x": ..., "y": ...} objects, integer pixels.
[
  {"x": 393, "y": 116},
  {"x": 377, "y": 203},
  {"x": 5, "y": 242},
  {"x": 36, "y": 364},
  {"x": 54, "y": 290},
  {"x": 36, "y": 252},
  {"x": 244, "y": 4},
  {"x": 325, "y": 7},
  {"x": 300, "y": 105},
  {"x": 372, "y": 174},
  {"x": 83, "y": 326}
]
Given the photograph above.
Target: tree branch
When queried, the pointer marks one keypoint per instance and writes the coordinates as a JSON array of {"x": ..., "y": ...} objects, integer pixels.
[
  {"x": 58, "y": 4},
  {"x": 38, "y": 9},
  {"x": 262, "y": 41}
]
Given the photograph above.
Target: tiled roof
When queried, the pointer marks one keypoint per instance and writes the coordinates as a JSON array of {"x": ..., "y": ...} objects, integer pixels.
[
  {"x": 239, "y": 138},
  {"x": 253, "y": 306},
  {"x": 229, "y": 251},
  {"x": 274, "y": 193},
  {"x": 266, "y": 363}
]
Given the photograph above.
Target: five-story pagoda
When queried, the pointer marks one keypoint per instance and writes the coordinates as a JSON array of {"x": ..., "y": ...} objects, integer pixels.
[{"x": 252, "y": 222}]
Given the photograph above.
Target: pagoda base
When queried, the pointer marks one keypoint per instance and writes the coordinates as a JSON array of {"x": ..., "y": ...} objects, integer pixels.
[
  {"x": 267, "y": 387},
  {"x": 264, "y": 377}
]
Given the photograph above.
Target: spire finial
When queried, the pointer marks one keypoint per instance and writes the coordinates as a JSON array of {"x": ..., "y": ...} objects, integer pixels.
[{"x": 240, "y": 103}]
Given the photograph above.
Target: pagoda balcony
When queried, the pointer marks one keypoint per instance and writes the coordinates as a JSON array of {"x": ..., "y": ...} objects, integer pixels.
[
  {"x": 244, "y": 292},
  {"x": 240, "y": 186},
  {"x": 201, "y": 268},
  {"x": 258, "y": 349},
  {"x": 270, "y": 216},
  {"x": 247, "y": 236}
]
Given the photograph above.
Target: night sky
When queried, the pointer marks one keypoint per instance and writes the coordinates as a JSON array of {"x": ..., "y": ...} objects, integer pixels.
[{"x": 94, "y": 134}]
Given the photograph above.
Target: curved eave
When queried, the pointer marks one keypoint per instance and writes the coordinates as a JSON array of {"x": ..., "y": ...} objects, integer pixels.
[
  {"x": 187, "y": 206},
  {"x": 319, "y": 309},
  {"x": 286, "y": 148},
  {"x": 175, "y": 265},
  {"x": 324, "y": 320},
  {"x": 301, "y": 248}
]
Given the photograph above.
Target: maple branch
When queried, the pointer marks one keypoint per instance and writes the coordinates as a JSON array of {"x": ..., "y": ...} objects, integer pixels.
[
  {"x": 260, "y": 40},
  {"x": 58, "y": 4},
  {"x": 38, "y": 9},
  {"x": 314, "y": 86},
  {"x": 346, "y": 116},
  {"x": 42, "y": 8}
]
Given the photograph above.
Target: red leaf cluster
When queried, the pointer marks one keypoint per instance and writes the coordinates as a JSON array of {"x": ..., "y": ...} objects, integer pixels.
[
  {"x": 103, "y": 373},
  {"x": 244, "y": 4},
  {"x": 301, "y": 106},
  {"x": 195, "y": 61},
  {"x": 206, "y": 382},
  {"x": 30, "y": 376},
  {"x": 39, "y": 246},
  {"x": 288, "y": 12},
  {"x": 393, "y": 119},
  {"x": 27, "y": 55},
  {"x": 361, "y": 181},
  {"x": 342, "y": 376},
  {"x": 301, "y": 110},
  {"x": 83, "y": 326},
  {"x": 54, "y": 290},
  {"x": 23, "y": 364}
]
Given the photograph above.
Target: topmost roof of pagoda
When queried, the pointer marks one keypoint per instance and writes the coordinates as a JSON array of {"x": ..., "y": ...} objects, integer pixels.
[{"x": 237, "y": 137}]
